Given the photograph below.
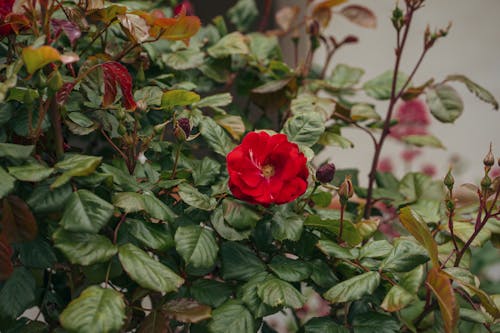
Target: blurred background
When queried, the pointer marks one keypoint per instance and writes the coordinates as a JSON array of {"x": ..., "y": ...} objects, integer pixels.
[{"x": 472, "y": 48}]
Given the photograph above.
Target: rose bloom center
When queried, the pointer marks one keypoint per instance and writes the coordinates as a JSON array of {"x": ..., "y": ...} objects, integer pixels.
[{"x": 268, "y": 171}]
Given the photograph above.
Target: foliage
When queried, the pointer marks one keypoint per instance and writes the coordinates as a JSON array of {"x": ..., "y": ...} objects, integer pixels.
[{"x": 116, "y": 214}]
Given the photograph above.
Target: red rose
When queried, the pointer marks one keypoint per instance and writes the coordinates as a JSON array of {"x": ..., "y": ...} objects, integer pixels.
[
  {"x": 266, "y": 169},
  {"x": 10, "y": 22}
]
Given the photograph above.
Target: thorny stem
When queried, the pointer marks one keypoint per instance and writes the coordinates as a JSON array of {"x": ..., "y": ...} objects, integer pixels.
[{"x": 395, "y": 95}]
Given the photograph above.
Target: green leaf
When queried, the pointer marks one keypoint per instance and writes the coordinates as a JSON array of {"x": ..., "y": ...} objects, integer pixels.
[
  {"x": 286, "y": 225},
  {"x": 344, "y": 76},
  {"x": 323, "y": 325},
  {"x": 196, "y": 245},
  {"x": 84, "y": 248},
  {"x": 304, "y": 129},
  {"x": 156, "y": 208},
  {"x": 353, "y": 288},
  {"x": 184, "y": 59},
  {"x": 231, "y": 44},
  {"x": 224, "y": 229},
  {"x": 30, "y": 172},
  {"x": 80, "y": 119},
  {"x": 86, "y": 212},
  {"x": 289, "y": 269},
  {"x": 375, "y": 322},
  {"x": 215, "y": 101},
  {"x": 95, "y": 310},
  {"x": 36, "y": 254},
  {"x": 334, "y": 250},
  {"x": 177, "y": 97},
  {"x": 239, "y": 262},
  {"x": 146, "y": 271},
  {"x": 130, "y": 202},
  {"x": 18, "y": 222},
  {"x": 423, "y": 141},
  {"x": 43, "y": 199},
  {"x": 412, "y": 280},
  {"x": 152, "y": 235},
  {"x": 18, "y": 152},
  {"x": 248, "y": 294},
  {"x": 464, "y": 230},
  {"x": 205, "y": 171},
  {"x": 232, "y": 317},
  {"x": 404, "y": 257},
  {"x": 380, "y": 87},
  {"x": 211, "y": 292},
  {"x": 419, "y": 229},
  {"x": 416, "y": 186},
  {"x": 276, "y": 292},
  {"x": 364, "y": 111},
  {"x": 322, "y": 274},
  {"x": 475, "y": 88},
  {"x": 75, "y": 165},
  {"x": 445, "y": 103},
  {"x": 329, "y": 138},
  {"x": 310, "y": 103},
  {"x": 238, "y": 215},
  {"x": 243, "y": 14},
  {"x": 396, "y": 299},
  {"x": 191, "y": 196},
  {"x": 7, "y": 183},
  {"x": 216, "y": 137},
  {"x": 350, "y": 234},
  {"x": 122, "y": 180},
  {"x": 375, "y": 249},
  {"x": 17, "y": 293}
]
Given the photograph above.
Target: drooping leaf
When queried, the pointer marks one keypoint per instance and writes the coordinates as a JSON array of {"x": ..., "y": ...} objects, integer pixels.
[
  {"x": 364, "y": 111},
  {"x": 70, "y": 29},
  {"x": 155, "y": 322},
  {"x": 404, "y": 257},
  {"x": 115, "y": 74},
  {"x": 18, "y": 222},
  {"x": 30, "y": 172},
  {"x": 75, "y": 166},
  {"x": 419, "y": 229},
  {"x": 36, "y": 58},
  {"x": 191, "y": 196},
  {"x": 95, "y": 310},
  {"x": 234, "y": 125},
  {"x": 187, "y": 310},
  {"x": 304, "y": 129},
  {"x": 17, "y": 293},
  {"x": 233, "y": 43},
  {"x": 276, "y": 292},
  {"x": 182, "y": 27},
  {"x": 152, "y": 235},
  {"x": 423, "y": 141},
  {"x": 322, "y": 274},
  {"x": 239, "y": 262},
  {"x": 146, "y": 271},
  {"x": 440, "y": 285},
  {"x": 86, "y": 212},
  {"x": 381, "y": 86},
  {"x": 84, "y": 248},
  {"x": 196, "y": 245},
  {"x": 360, "y": 15},
  {"x": 475, "y": 88},
  {"x": 285, "y": 16},
  {"x": 445, "y": 103},
  {"x": 353, "y": 288},
  {"x": 322, "y": 11},
  {"x": 232, "y": 317}
]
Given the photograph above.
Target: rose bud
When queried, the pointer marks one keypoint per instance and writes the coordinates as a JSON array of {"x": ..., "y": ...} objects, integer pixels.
[
  {"x": 346, "y": 190},
  {"x": 449, "y": 181},
  {"x": 489, "y": 159},
  {"x": 182, "y": 129},
  {"x": 325, "y": 173}
]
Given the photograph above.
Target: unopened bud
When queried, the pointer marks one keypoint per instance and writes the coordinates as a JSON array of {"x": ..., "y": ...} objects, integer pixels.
[
  {"x": 346, "y": 190},
  {"x": 55, "y": 81},
  {"x": 450, "y": 205},
  {"x": 449, "y": 181},
  {"x": 40, "y": 80},
  {"x": 485, "y": 182},
  {"x": 489, "y": 159},
  {"x": 325, "y": 173},
  {"x": 397, "y": 18},
  {"x": 182, "y": 129},
  {"x": 313, "y": 28}
]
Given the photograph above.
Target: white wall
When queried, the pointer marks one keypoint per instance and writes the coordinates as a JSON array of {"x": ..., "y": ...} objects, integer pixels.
[{"x": 472, "y": 48}]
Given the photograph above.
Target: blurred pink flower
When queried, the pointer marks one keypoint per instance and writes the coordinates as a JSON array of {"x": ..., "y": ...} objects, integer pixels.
[
  {"x": 495, "y": 172},
  {"x": 188, "y": 6},
  {"x": 413, "y": 119},
  {"x": 385, "y": 165},
  {"x": 429, "y": 170},
  {"x": 408, "y": 155}
]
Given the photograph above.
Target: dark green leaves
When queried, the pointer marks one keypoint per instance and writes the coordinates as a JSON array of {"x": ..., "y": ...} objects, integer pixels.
[
  {"x": 95, "y": 310},
  {"x": 276, "y": 292},
  {"x": 290, "y": 270},
  {"x": 14, "y": 151},
  {"x": 353, "y": 288},
  {"x": 405, "y": 256},
  {"x": 30, "y": 172},
  {"x": 7, "y": 183},
  {"x": 146, "y": 271},
  {"x": 239, "y": 262},
  {"x": 86, "y": 212},
  {"x": 191, "y": 196},
  {"x": 234, "y": 43},
  {"x": 243, "y": 14},
  {"x": 286, "y": 225},
  {"x": 152, "y": 235},
  {"x": 196, "y": 245},
  {"x": 445, "y": 103},
  {"x": 216, "y": 137},
  {"x": 232, "y": 317},
  {"x": 380, "y": 87},
  {"x": 304, "y": 129},
  {"x": 17, "y": 293}
]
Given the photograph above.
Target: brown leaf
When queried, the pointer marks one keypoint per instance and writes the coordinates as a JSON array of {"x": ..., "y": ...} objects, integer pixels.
[
  {"x": 322, "y": 12},
  {"x": 116, "y": 74},
  {"x": 155, "y": 322},
  {"x": 360, "y": 15},
  {"x": 286, "y": 16},
  {"x": 440, "y": 285},
  {"x": 18, "y": 222},
  {"x": 6, "y": 267},
  {"x": 187, "y": 310}
]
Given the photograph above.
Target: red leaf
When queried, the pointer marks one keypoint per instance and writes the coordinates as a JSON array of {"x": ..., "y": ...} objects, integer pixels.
[
  {"x": 18, "y": 222},
  {"x": 6, "y": 267},
  {"x": 70, "y": 29},
  {"x": 117, "y": 74},
  {"x": 360, "y": 15},
  {"x": 439, "y": 283},
  {"x": 63, "y": 93}
]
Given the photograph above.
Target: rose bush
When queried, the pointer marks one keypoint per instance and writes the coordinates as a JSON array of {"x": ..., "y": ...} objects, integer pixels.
[{"x": 158, "y": 174}]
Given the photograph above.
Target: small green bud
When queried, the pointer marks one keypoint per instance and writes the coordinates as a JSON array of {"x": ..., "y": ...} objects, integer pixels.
[
  {"x": 182, "y": 129},
  {"x": 450, "y": 205},
  {"x": 55, "y": 81},
  {"x": 141, "y": 77},
  {"x": 40, "y": 80},
  {"x": 121, "y": 114},
  {"x": 449, "y": 181},
  {"x": 485, "y": 182},
  {"x": 397, "y": 18},
  {"x": 122, "y": 130},
  {"x": 489, "y": 159}
]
